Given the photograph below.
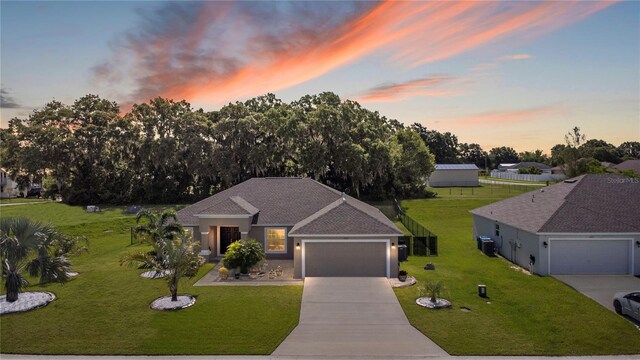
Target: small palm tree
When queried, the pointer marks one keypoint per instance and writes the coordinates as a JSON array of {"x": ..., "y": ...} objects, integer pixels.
[
  {"x": 159, "y": 226},
  {"x": 20, "y": 238},
  {"x": 432, "y": 290},
  {"x": 173, "y": 260}
]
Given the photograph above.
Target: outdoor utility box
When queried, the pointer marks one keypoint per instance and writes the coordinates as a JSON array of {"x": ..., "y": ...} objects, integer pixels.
[
  {"x": 480, "y": 239},
  {"x": 488, "y": 247},
  {"x": 482, "y": 291},
  {"x": 403, "y": 252}
]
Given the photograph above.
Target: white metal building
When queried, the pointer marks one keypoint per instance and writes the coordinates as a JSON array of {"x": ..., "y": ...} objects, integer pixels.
[{"x": 454, "y": 175}]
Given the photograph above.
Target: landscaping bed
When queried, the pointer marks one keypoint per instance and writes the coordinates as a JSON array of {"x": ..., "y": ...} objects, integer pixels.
[{"x": 106, "y": 309}]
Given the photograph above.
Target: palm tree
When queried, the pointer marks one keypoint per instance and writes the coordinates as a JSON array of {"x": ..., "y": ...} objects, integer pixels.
[
  {"x": 21, "y": 238},
  {"x": 159, "y": 226},
  {"x": 175, "y": 259}
]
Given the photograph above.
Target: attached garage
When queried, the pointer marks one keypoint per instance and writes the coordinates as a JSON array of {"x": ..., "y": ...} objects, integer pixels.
[
  {"x": 345, "y": 258},
  {"x": 590, "y": 256}
]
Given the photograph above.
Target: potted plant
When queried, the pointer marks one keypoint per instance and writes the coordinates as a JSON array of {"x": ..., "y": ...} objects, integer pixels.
[
  {"x": 402, "y": 275},
  {"x": 223, "y": 273}
]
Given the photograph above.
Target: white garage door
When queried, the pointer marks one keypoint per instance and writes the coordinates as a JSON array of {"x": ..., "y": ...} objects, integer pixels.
[
  {"x": 345, "y": 258},
  {"x": 587, "y": 256}
]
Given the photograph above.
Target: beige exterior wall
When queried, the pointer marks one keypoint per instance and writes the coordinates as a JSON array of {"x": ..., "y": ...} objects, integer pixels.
[
  {"x": 208, "y": 231},
  {"x": 258, "y": 233},
  {"x": 393, "y": 251}
]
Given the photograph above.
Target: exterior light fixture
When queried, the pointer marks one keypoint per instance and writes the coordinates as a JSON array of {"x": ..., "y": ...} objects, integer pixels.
[
  {"x": 545, "y": 244},
  {"x": 393, "y": 245},
  {"x": 638, "y": 243},
  {"x": 298, "y": 246}
]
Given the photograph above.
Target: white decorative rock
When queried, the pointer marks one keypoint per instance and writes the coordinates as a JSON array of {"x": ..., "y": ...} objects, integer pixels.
[
  {"x": 439, "y": 304},
  {"x": 165, "y": 303},
  {"x": 152, "y": 274},
  {"x": 26, "y": 301}
]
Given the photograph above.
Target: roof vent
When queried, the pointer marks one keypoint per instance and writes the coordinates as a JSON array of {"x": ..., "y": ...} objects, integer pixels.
[
  {"x": 344, "y": 198},
  {"x": 570, "y": 181}
]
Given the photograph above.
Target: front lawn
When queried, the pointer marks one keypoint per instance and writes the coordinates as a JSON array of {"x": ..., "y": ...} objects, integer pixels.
[
  {"x": 527, "y": 314},
  {"x": 105, "y": 310}
]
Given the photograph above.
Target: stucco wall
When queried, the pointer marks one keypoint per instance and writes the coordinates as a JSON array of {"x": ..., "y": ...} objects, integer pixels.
[
  {"x": 453, "y": 178},
  {"x": 514, "y": 244},
  {"x": 208, "y": 230},
  {"x": 258, "y": 233}
]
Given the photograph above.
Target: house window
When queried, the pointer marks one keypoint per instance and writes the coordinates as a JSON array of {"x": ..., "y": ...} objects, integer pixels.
[
  {"x": 276, "y": 240},
  {"x": 497, "y": 229}
]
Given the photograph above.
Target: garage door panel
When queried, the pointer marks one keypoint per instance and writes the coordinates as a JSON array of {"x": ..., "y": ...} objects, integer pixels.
[
  {"x": 589, "y": 257},
  {"x": 343, "y": 259}
]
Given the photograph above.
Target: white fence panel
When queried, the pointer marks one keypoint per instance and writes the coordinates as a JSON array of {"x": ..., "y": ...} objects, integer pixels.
[{"x": 527, "y": 177}]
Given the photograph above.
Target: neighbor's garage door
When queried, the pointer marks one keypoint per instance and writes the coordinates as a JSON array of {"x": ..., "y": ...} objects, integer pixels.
[
  {"x": 609, "y": 256},
  {"x": 345, "y": 259}
]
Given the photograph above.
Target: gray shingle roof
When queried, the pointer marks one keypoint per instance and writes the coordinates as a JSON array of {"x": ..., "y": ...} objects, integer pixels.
[
  {"x": 629, "y": 165},
  {"x": 593, "y": 203},
  {"x": 346, "y": 216},
  {"x": 234, "y": 205},
  {"x": 281, "y": 201},
  {"x": 456, "y": 167},
  {"x": 289, "y": 201}
]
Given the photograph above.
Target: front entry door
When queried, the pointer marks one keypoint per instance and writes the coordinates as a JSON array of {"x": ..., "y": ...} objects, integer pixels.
[{"x": 228, "y": 234}]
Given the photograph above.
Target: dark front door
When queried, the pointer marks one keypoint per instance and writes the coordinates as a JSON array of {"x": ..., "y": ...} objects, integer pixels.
[{"x": 227, "y": 236}]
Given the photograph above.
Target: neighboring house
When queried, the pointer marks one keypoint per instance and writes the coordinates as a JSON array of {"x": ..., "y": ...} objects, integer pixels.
[
  {"x": 586, "y": 225},
  {"x": 8, "y": 187},
  {"x": 454, "y": 175},
  {"x": 324, "y": 231},
  {"x": 546, "y": 169},
  {"x": 633, "y": 165}
]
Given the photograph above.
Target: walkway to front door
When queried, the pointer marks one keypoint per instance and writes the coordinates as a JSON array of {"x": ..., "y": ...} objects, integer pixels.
[{"x": 354, "y": 317}]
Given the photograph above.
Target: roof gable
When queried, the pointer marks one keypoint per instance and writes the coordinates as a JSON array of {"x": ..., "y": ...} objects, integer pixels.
[{"x": 346, "y": 216}]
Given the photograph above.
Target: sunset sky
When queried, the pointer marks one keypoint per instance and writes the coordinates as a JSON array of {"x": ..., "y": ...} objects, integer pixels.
[{"x": 517, "y": 74}]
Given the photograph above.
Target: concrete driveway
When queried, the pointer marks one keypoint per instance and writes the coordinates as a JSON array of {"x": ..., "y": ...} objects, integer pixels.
[
  {"x": 601, "y": 288},
  {"x": 354, "y": 317}
]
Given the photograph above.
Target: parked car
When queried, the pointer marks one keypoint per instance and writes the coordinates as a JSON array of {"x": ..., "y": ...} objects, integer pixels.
[
  {"x": 35, "y": 192},
  {"x": 627, "y": 304}
]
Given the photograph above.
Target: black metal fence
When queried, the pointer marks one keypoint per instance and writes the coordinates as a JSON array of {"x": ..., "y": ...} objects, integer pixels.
[{"x": 423, "y": 242}]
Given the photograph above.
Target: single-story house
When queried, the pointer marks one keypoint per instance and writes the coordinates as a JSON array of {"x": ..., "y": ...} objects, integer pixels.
[
  {"x": 324, "y": 231},
  {"x": 633, "y": 165},
  {"x": 454, "y": 175},
  {"x": 546, "y": 169},
  {"x": 8, "y": 187},
  {"x": 585, "y": 225}
]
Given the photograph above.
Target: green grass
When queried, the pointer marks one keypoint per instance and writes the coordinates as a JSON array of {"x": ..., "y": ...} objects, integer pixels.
[
  {"x": 402, "y": 228},
  {"x": 105, "y": 310},
  {"x": 21, "y": 200},
  {"x": 527, "y": 314}
]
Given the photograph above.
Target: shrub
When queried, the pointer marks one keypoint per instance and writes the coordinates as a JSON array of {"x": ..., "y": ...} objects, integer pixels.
[{"x": 243, "y": 254}]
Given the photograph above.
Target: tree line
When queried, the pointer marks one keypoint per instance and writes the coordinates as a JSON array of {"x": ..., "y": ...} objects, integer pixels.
[
  {"x": 448, "y": 150},
  {"x": 166, "y": 152}
]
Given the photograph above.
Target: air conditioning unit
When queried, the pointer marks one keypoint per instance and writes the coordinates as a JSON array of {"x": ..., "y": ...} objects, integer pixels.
[{"x": 488, "y": 247}]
